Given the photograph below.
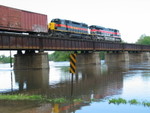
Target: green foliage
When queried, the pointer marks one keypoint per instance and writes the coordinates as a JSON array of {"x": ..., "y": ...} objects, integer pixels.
[
  {"x": 4, "y": 59},
  {"x": 40, "y": 98},
  {"x": 118, "y": 101},
  {"x": 20, "y": 97},
  {"x": 102, "y": 55},
  {"x": 31, "y": 98},
  {"x": 57, "y": 100},
  {"x": 78, "y": 100},
  {"x": 64, "y": 55},
  {"x": 145, "y": 40},
  {"x": 133, "y": 101},
  {"x": 59, "y": 56},
  {"x": 146, "y": 104}
]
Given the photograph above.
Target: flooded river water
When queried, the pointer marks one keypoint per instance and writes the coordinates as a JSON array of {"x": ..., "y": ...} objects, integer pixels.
[{"x": 89, "y": 92}]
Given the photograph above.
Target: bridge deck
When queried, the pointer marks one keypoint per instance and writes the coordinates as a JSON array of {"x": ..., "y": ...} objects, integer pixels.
[{"x": 10, "y": 41}]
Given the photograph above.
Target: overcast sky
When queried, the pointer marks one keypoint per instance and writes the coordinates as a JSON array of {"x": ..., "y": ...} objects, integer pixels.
[{"x": 131, "y": 17}]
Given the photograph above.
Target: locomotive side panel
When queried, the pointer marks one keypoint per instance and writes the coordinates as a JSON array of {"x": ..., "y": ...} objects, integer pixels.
[{"x": 68, "y": 28}]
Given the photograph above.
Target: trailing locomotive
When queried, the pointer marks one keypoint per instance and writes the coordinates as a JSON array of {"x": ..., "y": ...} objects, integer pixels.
[
  {"x": 63, "y": 28},
  {"x": 103, "y": 33}
]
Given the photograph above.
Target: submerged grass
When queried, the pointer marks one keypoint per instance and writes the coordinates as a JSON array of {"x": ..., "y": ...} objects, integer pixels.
[
  {"x": 132, "y": 102},
  {"x": 64, "y": 100},
  {"x": 32, "y": 98},
  {"x": 21, "y": 97},
  {"x": 118, "y": 101}
]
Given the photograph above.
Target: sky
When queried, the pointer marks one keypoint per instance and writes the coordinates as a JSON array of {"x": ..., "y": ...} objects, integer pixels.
[{"x": 130, "y": 17}]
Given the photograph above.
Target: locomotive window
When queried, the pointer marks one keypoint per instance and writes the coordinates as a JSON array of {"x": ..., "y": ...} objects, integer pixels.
[
  {"x": 56, "y": 20},
  {"x": 84, "y": 25},
  {"x": 63, "y": 22},
  {"x": 75, "y": 23},
  {"x": 101, "y": 28},
  {"x": 92, "y": 27},
  {"x": 67, "y": 21}
]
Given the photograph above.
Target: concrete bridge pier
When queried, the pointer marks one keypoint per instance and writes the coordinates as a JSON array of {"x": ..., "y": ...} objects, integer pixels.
[
  {"x": 135, "y": 56},
  {"x": 88, "y": 58},
  {"x": 139, "y": 56},
  {"x": 117, "y": 56},
  {"x": 31, "y": 60},
  {"x": 146, "y": 56},
  {"x": 132, "y": 56}
]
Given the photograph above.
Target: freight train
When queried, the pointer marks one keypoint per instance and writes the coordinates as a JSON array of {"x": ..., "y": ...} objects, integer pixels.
[{"x": 20, "y": 21}]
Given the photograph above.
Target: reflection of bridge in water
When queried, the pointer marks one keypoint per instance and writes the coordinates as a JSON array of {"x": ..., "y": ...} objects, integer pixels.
[
  {"x": 89, "y": 80},
  {"x": 92, "y": 82}
]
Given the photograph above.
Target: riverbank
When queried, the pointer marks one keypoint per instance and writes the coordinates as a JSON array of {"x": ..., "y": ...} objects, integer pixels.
[{"x": 39, "y": 98}]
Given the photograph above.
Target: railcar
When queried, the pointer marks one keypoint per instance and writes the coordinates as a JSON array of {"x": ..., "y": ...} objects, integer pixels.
[{"x": 16, "y": 20}]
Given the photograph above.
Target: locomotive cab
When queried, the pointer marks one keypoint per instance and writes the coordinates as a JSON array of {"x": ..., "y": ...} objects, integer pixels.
[
  {"x": 57, "y": 24},
  {"x": 117, "y": 36}
]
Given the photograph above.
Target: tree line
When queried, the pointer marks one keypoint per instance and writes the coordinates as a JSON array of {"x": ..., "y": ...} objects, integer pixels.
[{"x": 145, "y": 40}]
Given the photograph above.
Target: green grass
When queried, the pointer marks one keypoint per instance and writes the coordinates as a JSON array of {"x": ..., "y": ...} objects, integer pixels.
[
  {"x": 31, "y": 98},
  {"x": 146, "y": 104},
  {"x": 64, "y": 100},
  {"x": 132, "y": 102},
  {"x": 118, "y": 101},
  {"x": 21, "y": 97}
]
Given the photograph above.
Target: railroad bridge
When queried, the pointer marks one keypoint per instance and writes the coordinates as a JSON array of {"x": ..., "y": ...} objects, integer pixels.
[{"x": 115, "y": 51}]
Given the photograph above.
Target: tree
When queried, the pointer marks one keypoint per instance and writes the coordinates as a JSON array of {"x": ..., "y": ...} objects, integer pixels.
[
  {"x": 4, "y": 59},
  {"x": 59, "y": 56},
  {"x": 145, "y": 40}
]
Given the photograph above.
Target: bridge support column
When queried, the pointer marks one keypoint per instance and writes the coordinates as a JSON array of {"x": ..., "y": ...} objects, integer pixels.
[
  {"x": 139, "y": 56},
  {"x": 117, "y": 57},
  {"x": 135, "y": 56},
  {"x": 146, "y": 56},
  {"x": 31, "y": 61},
  {"x": 88, "y": 58}
]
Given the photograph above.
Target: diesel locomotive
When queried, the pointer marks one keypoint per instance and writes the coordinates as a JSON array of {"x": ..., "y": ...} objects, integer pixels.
[{"x": 72, "y": 29}]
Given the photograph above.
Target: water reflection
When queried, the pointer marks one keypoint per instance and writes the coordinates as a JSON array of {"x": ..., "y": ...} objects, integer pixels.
[
  {"x": 98, "y": 84},
  {"x": 90, "y": 80},
  {"x": 32, "y": 79},
  {"x": 91, "y": 83}
]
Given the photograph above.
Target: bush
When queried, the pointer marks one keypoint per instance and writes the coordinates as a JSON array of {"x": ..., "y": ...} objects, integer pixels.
[{"x": 5, "y": 59}]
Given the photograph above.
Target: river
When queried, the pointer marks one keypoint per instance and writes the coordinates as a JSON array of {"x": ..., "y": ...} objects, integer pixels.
[{"x": 87, "y": 92}]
